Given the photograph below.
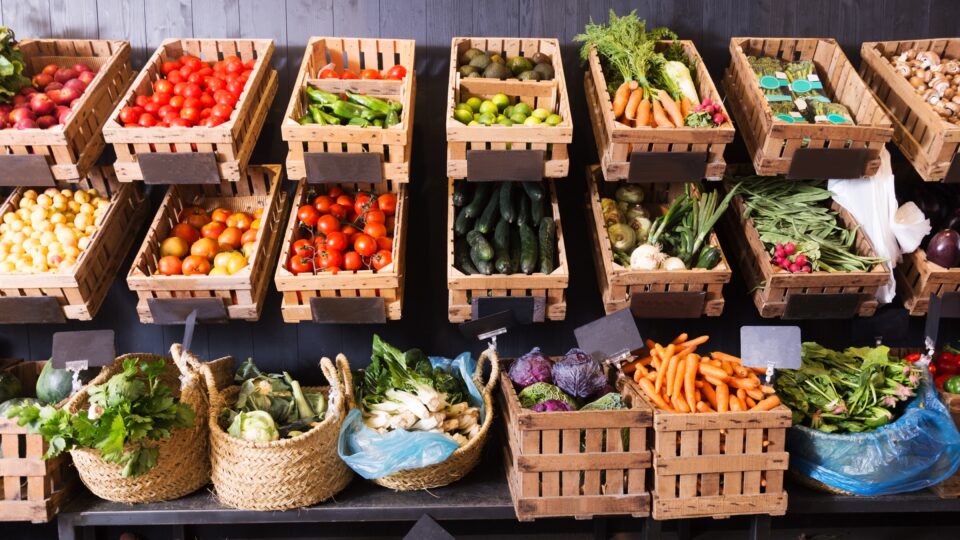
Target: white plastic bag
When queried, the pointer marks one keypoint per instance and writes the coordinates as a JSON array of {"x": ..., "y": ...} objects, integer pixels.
[{"x": 910, "y": 227}]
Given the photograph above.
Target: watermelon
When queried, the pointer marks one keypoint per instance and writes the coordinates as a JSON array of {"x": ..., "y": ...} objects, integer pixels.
[
  {"x": 55, "y": 385},
  {"x": 10, "y": 386}
]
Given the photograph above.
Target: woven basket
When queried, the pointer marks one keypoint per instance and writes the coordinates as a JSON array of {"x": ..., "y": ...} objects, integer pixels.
[
  {"x": 183, "y": 465},
  {"x": 463, "y": 459},
  {"x": 286, "y": 473}
]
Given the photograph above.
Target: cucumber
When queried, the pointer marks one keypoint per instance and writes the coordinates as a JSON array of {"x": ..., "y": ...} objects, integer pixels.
[
  {"x": 479, "y": 243},
  {"x": 462, "y": 252},
  {"x": 523, "y": 210},
  {"x": 501, "y": 247},
  {"x": 514, "y": 250},
  {"x": 490, "y": 214},
  {"x": 480, "y": 195},
  {"x": 483, "y": 266},
  {"x": 536, "y": 212},
  {"x": 534, "y": 190},
  {"x": 528, "y": 249},
  {"x": 709, "y": 257},
  {"x": 507, "y": 210},
  {"x": 462, "y": 224},
  {"x": 548, "y": 241},
  {"x": 460, "y": 191}
]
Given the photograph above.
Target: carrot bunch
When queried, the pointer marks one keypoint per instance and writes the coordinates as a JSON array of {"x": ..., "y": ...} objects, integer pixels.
[
  {"x": 656, "y": 109},
  {"x": 677, "y": 379}
]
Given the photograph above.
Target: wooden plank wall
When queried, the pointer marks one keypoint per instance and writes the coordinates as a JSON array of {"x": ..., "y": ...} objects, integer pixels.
[{"x": 710, "y": 23}]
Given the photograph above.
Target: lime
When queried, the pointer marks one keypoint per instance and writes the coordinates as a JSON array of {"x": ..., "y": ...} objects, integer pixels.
[
  {"x": 553, "y": 119},
  {"x": 518, "y": 118},
  {"x": 501, "y": 117},
  {"x": 541, "y": 113},
  {"x": 474, "y": 103},
  {"x": 522, "y": 108},
  {"x": 500, "y": 100},
  {"x": 463, "y": 115},
  {"x": 489, "y": 107},
  {"x": 474, "y": 123},
  {"x": 532, "y": 121},
  {"x": 505, "y": 122},
  {"x": 463, "y": 106},
  {"x": 487, "y": 119},
  {"x": 476, "y": 116},
  {"x": 508, "y": 112}
]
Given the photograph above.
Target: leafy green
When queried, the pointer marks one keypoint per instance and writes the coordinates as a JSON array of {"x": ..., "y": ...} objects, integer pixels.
[
  {"x": 11, "y": 66},
  {"x": 132, "y": 407},
  {"x": 686, "y": 225},
  {"x": 540, "y": 392},
  {"x": 276, "y": 394},
  {"x": 392, "y": 369},
  {"x": 612, "y": 401}
]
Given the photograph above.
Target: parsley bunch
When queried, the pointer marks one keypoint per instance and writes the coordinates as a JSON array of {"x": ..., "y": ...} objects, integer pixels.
[
  {"x": 11, "y": 66},
  {"x": 132, "y": 407}
]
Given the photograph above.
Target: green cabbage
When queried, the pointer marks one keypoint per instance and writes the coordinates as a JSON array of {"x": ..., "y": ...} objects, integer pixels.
[
  {"x": 256, "y": 426},
  {"x": 540, "y": 392}
]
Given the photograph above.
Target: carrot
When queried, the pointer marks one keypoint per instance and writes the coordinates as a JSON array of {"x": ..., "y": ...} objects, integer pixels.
[
  {"x": 652, "y": 376},
  {"x": 648, "y": 389},
  {"x": 698, "y": 384},
  {"x": 741, "y": 394},
  {"x": 678, "y": 382},
  {"x": 650, "y": 344},
  {"x": 723, "y": 398},
  {"x": 685, "y": 107},
  {"x": 697, "y": 341},
  {"x": 670, "y": 107},
  {"x": 713, "y": 380},
  {"x": 757, "y": 395},
  {"x": 679, "y": 339},
  {"x": 689, "y": 376},
  {"x": 659, "y": 116},
  {"x": 766, "y": 404},
  {"x": 708, "y": 370},
  {"x": 716, "y": 363},
  {"x": 745, "y": 384},
  {"x": 736, "y": 404},
  {"x": 759, "y": 370},
  {"x": 767, "y": 389},
  {"x": 643, "y": 113},
  {"x": 703, "y": 407},
  {"x": 680, "y": 404},
  {"x": 632, "y": 366},
  {"x": 621, "y": 97},
  {"x": 671, "y": 374},
  {"x": 710, "y": 394},
  {"x": 740, "y": 371},
  {"x": 750, "y": 403},
  {"x": 660, "y": 374},
  {"x": 633, "y": 103},
  {"x": 727, "y": 367}
]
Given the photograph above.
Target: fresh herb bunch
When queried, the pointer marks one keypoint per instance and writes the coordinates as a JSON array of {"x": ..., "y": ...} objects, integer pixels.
[
  {"x": 683, "y": 230},
  {"x": 852, "y": 391},
  {"x": 11, "y": 66},
  {"x": 132, "y": 407}
]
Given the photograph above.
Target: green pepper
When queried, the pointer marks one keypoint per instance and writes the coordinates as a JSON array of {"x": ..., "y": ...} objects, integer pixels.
[
  {"x": 331, "y": 119},
  {"x": 317, "y": 115},
  {"x": 378, "y": 122},
  {"x": 372, "y": 103},
  {"x": 319, "y": 96},
  {"x": 392, "y": 119},
  {"x": 349, "y": 111},
  {"x": 357, "y": 121},
  {"x": 305, "y": 120},
  {"x": 952, "y": 386}
]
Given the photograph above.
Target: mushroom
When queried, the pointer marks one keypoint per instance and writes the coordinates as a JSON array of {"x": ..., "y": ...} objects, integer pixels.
[
  {"x": 940, "y": 84},
  {"x": 902, "y": 68},
  {"x": 931, "y": 96},
  {"x": 951, "y": 66},
  {"x": 927, "y": 77},
  {"x": 955, "y": 99},
  {"x": 953, "y": 108},
  {"x": 928, "y": 59},
  {"x": 907, "y": 55},
  {"x": 916, "y": 82}
]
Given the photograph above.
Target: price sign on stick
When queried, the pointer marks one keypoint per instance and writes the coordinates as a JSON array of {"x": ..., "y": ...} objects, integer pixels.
[
  {"x": 77, "y": 351},
  {"x": 770, "y": 347},
  {"x": 489, "y": 327},
  {"x": 611, "y": 339}
]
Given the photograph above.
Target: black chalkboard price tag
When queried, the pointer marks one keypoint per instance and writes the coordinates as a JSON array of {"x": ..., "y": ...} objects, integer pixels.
[
  {"x": 179, "y": 168},
  {"x": 348, "y": 310},
  {"x": 946, "y": 306},
  {"x": 80, "y": 350},
  {"x": 610, "y": 339},
  {"x": 489, "y": 327},
  {"x": 334, "y": 168},
  {"x": 505, "y": 165},
  {"x": 428, "y": 529},
  {"x": 770, "y": 347},
  {"x": 525, "y": 309},
  {"x": 667, "y": 167}
]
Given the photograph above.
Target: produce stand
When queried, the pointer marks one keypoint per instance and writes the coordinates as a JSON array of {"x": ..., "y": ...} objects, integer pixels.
[
  {"x": 68, "y": 152},
  {"x": 393, "y": 145},
  {"x": 221, "y": 152},
  {"x": 918, "y": 278},
  {"x": 929, "y": 143}
]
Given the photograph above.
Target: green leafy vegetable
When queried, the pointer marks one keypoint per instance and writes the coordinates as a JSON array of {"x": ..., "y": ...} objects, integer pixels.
[
  {"x": 11, "y": 66},
  {"x": 540, "y": 392}
]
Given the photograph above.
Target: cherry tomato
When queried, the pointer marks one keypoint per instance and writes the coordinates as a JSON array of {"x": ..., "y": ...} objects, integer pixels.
[
  {"x": 380, "y": 259},
  {"x": 222, "y": 111},
  {"x": 147, "y": 120},
  {"x": 370, "y": 74},
  {"x": 364, "y": 201},
  {"x": 328, "y": 73},
  {"x": 151, "y": 107},
  {"x": 206, "y": 99},
  {"x": 365, "y": 245},
  {"x": 193, "y": 103},
  {"x": 196, "y": 78},
  {"x": 375, "y": 216},
  {"x": 336, "y": 240},
  {"x": 345, "y": 200},
  {"x": 235, "y": 87},
  {"x": 192, "y": 91},
  {"x": 225, "y": 98},
  {"x": 388, "y": 203},
  {"x": 211, "y": 121},
  {"x": 142, "y": 100},
  {"x": 385, "y": 243},
  {"x": 308, "y": 215},
  {"x": 161, "y": 98},
  {"x": 176, "y": 102},
  {"x": 348, "y": 75},
  {"x": 177, "y": 121},
  {"x": 327, "y": 224},
  {"x": 130, "y": 115},
  {"x": 396, "y": 73},
  {"x": 327, "y": 258},
  {"x": 339, "y": 211},
  {"x": 301, "y": 265},
  {"x": 163, "y": 86},
  {"x": 323, "y": 203},
  {"x": 190, "y": 114},
  {"x": 349, "y": 230},
  {"x": 376, "y": 230},
  {"x": 170, "y": 66},
  {"x": 352, "y": 261}
]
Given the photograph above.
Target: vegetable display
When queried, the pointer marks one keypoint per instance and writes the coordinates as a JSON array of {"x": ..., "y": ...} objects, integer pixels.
[
  {"x": 676, "y": 240},
  {"x": 545, "y": 385},
  {"x": 504, "y": 228},
  {"x": 944, "y": 367},
  {"x": 677, "y": 379},
  {"x": 935, "y": 79},
  {"x": 349, "y": 109},
  {"x": 402, "y": 390},
  {"x": 649, "y": 87},
  {"x": 798, "y": 227},
  {"x": 271, "y": 406},
  {"x": 502, "y": 110},
  {"x": 11, "y": 66},
  {"x": 191, "y": 93},
  {"x": 338, "y": 231},
  {"x": 853, "y": 391},
  {"x": 940, "y": 203},
  {"x": 329, "y": 71},
  {"x": 794, "y": 92},
  {"x": 216, "y": 243},
  {"x": 476, "y": 63},
  {"x": 132, "y": 408},
  {"x": 48, "y": 231}
]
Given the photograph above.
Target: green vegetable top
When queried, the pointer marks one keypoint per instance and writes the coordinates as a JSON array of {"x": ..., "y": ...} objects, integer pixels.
[
  {"x": 11, "y": 66},
  {"x": 392, "y": 369}
]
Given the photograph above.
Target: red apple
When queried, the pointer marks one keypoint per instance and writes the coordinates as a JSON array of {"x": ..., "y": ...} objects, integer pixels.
[
  {"x": 41, "y": 80},
  {"x": 68, "y": 95},
  {"x": 64, "y": 75},
  {"x": 25, "y": 123},
  {"x": 20, "y": 101},
  {"x": 5, "y": 110},
  {"x": 76, "y": 84},
  {"x": 80, "y": 68},
  {"x": 52, "y": 86},
  {"x": 3, "y": 122},
  {"x": 42, "y": 104},
  {"x": 46, "y": 122},
  {"x": 28, "y": 91},
  {"x": 50, "y": 69},
  {"x": 20, "y": 113},
  {"x": 62, "y": 113},
  {"x": 87, "y": 77}
]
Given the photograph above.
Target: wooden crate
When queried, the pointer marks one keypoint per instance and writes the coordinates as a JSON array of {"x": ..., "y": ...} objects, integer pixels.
[
  {"x": 772, "y": 287},
  {"x": 31, "y": 488},
  {"x": 464, "y": 289},
  {"x": 618, "y": 284},
  {"x": 574, "y": 464},
  {"x": 552, "y": 140},
  {"x": 617, "y": 143},
  {"x": 718, "y": 464},
  {"x": 232, "y": 142},
  {"x": 771, "y": 142},
  {"x": 950, "y": 487},
  {"x": 927, "y": 141},
  {"x": 72, "y": 150},
  {"x": 353, "y": 54},
  {"x": 387, "y": 283},
  {"x": 918, "y": 278},
  {"x": 242, "y": 293},
  {"x": 80, "y": 290}
]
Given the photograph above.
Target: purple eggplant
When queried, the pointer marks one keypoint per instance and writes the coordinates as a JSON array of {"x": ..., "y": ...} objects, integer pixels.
[{"x": 944, "y": 249}]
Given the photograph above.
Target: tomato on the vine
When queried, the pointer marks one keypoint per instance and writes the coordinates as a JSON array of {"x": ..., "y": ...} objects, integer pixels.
[
  {"x": 327, "y": 258},
  {"x": 375, "y": 216},
  {"x": 385, "y": 242},
  {"x": 365, "y": 245},
  {"x": 375, "y": 230},
  {"x": 323, "y": 203},
  {"x": 336, "y": 240},
  {"x": 345, "y": 200},
  {"x": 380, "y": 259},
  {"x": 303, "y": 248},
  {"x": 308, "y": 215},
  {"x": 339, "y": 211},
  {"x": 327, "y": 223},
  {"x": 364, "y": 201},
  {"x": 396, "y": 73},
  {"x": 352, "y": 261},
  {"x": 348, "y": 75},
  {"x": 335, "y": 191},
  {"x": 300, "y": 265},
  {"x": 327, "y": 73}
]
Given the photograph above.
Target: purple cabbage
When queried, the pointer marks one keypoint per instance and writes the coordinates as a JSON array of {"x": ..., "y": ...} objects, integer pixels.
[
  {"x": 530, "y": 368},
  {"x": 578, "y": 374},
  {"x": 551, "y": 405}
]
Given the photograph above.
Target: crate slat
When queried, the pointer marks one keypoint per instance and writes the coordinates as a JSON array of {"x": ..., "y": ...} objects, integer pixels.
[{"x": 918, "y": 278}]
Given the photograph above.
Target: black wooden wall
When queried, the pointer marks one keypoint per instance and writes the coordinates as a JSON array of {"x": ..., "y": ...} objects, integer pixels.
[{"x": 709, "y": 23}]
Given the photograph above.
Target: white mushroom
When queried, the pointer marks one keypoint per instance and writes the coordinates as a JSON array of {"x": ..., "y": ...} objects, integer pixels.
[
  {"x": 931, "y": 96},
  {"x": 951, "y": 66},
  {"x": 940, "y": 84},
  {"x": 928, "y": 59}
]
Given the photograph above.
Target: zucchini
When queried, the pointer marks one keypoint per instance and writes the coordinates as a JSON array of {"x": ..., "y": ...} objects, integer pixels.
[
  {"x": 501, "y": 247},
  {"x": 479, "y": 243},
  {"x": 461, "y": 190},
  {"x": 507, "y": 210},
  {"x": 462, "y": 224},
  {"x": 488, "y": 218},
  {"x": 480, "y": 195},
  {"x": 528, "y": 249},
  {"x": 523, "y": 210},
  {"x": 462, "y": 256},
  {"x": 709, "y": 257},
  {"x": 483, "y": 266},
  {"x": 548, "y": 242},
  {"x": 536, "y": 212},
  {"x": 514, "y": 250},
  {"x": 534, "y": 190}
]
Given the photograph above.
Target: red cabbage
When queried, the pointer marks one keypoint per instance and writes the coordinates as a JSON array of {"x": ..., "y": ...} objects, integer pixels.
[
  {"x": 530, "y": 368},
  {"x": 552, "y": 405},
  {"x": 578, "y": 374}
]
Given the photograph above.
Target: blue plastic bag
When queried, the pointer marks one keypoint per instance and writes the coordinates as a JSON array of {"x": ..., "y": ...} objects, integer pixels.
[
  {"x": 918, "y": 450},
  {"x": 375, "y": 455}
]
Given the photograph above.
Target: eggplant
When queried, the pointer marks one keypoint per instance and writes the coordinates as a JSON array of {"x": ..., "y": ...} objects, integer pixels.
[{"x": 944, "y": 249}]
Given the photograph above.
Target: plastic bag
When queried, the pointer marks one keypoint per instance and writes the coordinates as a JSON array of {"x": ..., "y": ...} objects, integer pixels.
[
  {"x": 910, "y": 227},
  {"x": 375, "y": 455},
  {"x": 918, "y": 450}
]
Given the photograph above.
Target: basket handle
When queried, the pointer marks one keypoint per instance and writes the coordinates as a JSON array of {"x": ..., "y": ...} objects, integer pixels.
[
  {"x": 338, "y": 376},
  {"x": 488, "y": 355}
]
